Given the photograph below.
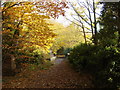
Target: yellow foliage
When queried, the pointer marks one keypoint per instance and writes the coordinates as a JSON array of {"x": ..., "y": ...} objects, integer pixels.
[
  {"x": 32, "y": 27},
  {"x": 67, "y": 37}
]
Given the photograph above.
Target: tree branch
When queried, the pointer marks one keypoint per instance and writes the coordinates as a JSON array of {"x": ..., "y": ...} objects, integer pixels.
[{"x": 11, "y": 6}]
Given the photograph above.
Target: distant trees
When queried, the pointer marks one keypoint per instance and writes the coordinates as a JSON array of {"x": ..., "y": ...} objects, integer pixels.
[
  {"x": 85, "y": 17},
  {"x": 67, "y": 37}
]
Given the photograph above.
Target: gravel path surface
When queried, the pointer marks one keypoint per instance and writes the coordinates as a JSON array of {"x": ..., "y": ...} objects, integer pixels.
[{"x": 60, "y": 75}]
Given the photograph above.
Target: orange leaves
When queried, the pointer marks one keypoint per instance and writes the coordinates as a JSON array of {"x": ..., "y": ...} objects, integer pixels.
[
  {"x": 24, "y": 56},
  {"x": 53, "y": 9},
  {"x": 6, "y": 31}
]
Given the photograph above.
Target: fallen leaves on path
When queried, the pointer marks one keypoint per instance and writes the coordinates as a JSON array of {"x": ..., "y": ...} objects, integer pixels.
[{"x": 57, "y": 76}]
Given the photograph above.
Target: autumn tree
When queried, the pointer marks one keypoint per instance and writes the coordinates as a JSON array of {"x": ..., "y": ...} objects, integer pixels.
[
  {"x": 30, "y": 15},
  {"x": 25, "y": 24}
]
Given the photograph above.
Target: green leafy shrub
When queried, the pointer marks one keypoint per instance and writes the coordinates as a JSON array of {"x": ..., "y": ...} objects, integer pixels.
[
  {"x": 109, "y": 62},
  {"x": 31, "y": 58},
  {"x": 81, "y": 56},
  {"x": 102, "y": 63},
  {"x": 38, "y": 58}
]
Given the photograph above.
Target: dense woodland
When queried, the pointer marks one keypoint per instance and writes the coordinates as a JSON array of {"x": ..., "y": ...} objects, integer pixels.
[{"x": 92, "y": 39}]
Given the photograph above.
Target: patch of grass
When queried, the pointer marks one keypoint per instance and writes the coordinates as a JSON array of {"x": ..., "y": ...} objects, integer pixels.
[
  {"x": 32, "y": 67},
  {"x": 3, "y": 80}
]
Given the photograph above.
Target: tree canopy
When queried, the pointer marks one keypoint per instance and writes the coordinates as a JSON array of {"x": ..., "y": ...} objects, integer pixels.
[{"x": 25, "y": 23}]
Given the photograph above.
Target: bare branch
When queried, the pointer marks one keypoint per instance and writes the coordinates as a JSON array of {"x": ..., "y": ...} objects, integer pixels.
[
  {"x": 78, "y": 25},
  {"x": 72, "y": 22},
  {"x": 79, "y": 15}
]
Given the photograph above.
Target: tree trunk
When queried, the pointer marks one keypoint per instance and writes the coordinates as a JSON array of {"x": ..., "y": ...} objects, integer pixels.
[
  {"x": 119, "y": 26},
  {"x": 84, "y": 33},
  {"x": 8, "y": 65},
  {"x": 95, "y": 23}
]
